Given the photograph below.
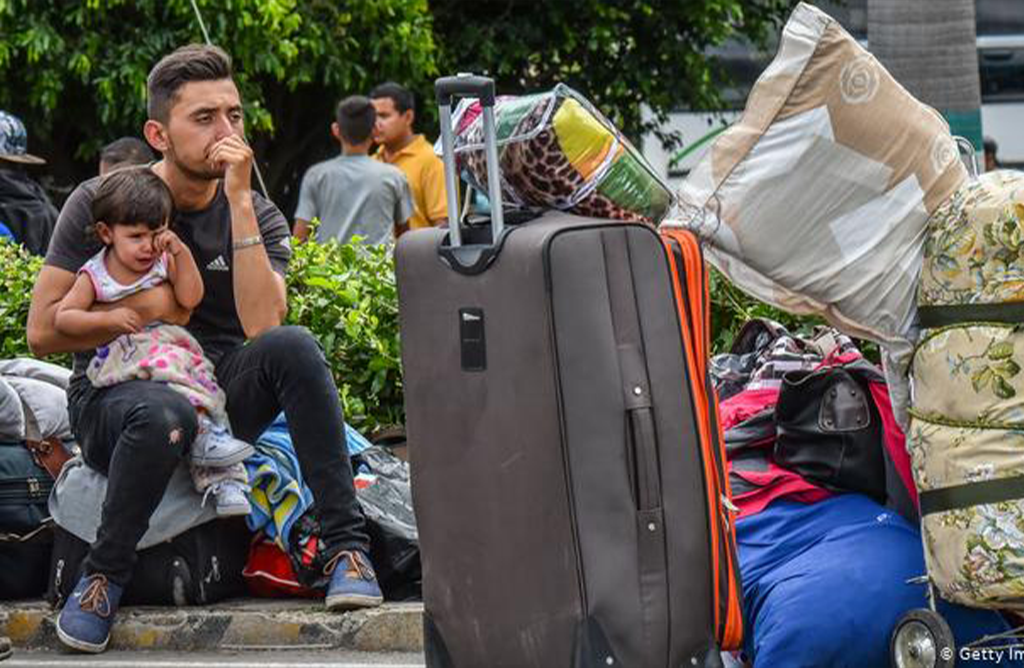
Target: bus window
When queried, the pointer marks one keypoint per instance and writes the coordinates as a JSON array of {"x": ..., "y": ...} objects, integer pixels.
[{"x": 1002, "y": 73}]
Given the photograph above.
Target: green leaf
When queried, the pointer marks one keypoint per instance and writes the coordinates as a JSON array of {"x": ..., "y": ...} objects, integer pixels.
[
  {"x": 1002, "y": 389},
  {"x": 980, "y": 379},
  {"x": 1001, "y": 350},
  {"x": 990, "y": 235},
  {"x": 1008, "y": 368}
]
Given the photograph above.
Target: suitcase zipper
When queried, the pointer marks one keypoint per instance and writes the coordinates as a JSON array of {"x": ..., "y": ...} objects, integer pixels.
[
  {"x": 25, "y": 489},
  {"x": 725, "y": 576}
]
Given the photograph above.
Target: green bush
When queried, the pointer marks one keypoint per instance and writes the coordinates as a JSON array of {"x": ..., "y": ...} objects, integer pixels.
[
  {"x": 346, "y": 296},
  {"x": 18, "y": 271}
]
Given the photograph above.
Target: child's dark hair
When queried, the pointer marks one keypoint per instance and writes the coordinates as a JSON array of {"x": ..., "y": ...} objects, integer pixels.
[{"x": 133, "y": 195}]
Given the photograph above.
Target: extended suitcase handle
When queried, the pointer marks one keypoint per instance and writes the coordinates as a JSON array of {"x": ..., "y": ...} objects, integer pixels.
[
  {"x": 465, "y": 85},
  {"x": 470, "y": 85}
]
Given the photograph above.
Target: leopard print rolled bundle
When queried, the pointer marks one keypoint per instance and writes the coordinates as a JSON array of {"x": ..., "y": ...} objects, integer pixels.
[{"x": 556, "y": 152}]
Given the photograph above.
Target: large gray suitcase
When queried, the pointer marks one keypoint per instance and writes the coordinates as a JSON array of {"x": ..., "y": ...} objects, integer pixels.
[{"x": 558, "y": 477}]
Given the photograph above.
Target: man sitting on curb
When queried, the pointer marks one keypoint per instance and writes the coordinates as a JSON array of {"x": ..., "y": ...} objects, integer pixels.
[{"x": 137, "y": 432}]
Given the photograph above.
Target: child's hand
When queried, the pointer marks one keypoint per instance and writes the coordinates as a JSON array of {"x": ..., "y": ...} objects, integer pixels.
[
  {"x": 124, "y": 321},
  {"x": 168, "y": 242}
]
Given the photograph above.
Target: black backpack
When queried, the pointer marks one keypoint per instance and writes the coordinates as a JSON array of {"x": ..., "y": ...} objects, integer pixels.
[{"x": 200, "y": 566}]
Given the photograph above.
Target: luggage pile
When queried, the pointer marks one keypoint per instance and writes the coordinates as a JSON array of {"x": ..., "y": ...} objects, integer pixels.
[
  {"x": 50, "y": 504},
  {"x": 967, "y": 427},
  {"x": 568, "y": 470},
  {"x": 902, "y": 248},
  {"x": 806, "y": 418}
]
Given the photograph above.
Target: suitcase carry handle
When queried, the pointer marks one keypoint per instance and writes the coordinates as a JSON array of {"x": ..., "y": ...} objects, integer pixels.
[{"x": 447, "y": 89}]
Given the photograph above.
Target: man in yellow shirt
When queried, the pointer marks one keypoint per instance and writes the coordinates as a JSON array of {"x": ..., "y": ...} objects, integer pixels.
[{"x": 411, "y": 153}]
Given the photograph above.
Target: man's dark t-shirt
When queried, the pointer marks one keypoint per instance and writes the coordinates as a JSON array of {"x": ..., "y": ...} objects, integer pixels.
[{"x": 207, "y": 233}]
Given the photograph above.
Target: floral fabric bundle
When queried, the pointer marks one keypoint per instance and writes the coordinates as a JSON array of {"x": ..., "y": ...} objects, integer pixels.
[{"x": 966, "y": 438}]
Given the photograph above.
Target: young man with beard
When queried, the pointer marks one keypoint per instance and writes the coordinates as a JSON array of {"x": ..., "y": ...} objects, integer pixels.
[
  {"x": 137, "y": 432},
  {"x": 411, "y": 153}
]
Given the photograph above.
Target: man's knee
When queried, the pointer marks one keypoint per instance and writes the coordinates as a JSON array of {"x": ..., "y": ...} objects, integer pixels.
[
  {"x": 291, "y": 342},
  {"x": 162, "y": 415}
]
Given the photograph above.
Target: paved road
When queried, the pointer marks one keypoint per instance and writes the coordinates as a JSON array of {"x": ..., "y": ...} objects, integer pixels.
[{"x": 305, "y": 659}]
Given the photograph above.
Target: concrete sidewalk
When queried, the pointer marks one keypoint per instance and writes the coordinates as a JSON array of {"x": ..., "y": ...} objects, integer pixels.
[{"x": 234, "y": 625}]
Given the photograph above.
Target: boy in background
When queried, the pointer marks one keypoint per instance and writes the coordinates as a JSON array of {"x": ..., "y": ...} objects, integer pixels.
[{"x": 353, "y": 194}]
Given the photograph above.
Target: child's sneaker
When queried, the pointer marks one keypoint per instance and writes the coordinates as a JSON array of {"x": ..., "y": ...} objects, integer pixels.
[
  {"x": 230, "y": 498},
  {"x": 216, "y": 447}
]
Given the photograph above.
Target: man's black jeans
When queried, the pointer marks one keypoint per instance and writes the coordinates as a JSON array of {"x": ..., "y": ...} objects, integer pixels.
[{"x": 138, "y": 431}]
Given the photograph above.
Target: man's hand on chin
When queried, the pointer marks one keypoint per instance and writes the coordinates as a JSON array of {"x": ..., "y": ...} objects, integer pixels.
[{"x": 235, "y": 157}]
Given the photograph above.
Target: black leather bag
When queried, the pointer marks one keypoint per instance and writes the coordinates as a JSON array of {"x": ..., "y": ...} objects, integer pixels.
[{"x": 830, "y": 432}]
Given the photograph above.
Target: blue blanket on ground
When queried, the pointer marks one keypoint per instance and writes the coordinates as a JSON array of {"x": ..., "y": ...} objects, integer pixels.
[
  {"x": 279, "y": 496},
  {"x": 824, "y": 584}
]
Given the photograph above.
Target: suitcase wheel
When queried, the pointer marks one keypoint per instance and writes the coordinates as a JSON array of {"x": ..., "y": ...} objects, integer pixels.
[{"x": 922, "y": 639}]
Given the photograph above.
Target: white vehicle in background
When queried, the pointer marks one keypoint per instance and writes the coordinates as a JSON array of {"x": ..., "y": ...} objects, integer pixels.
[{"x": 1000, "y": 61}]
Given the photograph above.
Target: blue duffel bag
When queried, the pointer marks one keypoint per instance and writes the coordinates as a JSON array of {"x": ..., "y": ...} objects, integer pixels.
[{"x": 824, "y": 585}]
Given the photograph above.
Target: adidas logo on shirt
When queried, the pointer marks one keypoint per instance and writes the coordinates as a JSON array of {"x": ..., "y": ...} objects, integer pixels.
[{"x": 217, "y": 265}]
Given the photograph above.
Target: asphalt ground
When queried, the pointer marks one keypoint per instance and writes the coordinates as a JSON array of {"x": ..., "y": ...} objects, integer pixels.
[{"x": 254, "y": 659}]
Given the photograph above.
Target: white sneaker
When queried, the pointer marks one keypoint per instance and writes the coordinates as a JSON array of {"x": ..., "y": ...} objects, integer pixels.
[
  {"x": 230, "y": 498},
  {"x": 215, "y": 446}
]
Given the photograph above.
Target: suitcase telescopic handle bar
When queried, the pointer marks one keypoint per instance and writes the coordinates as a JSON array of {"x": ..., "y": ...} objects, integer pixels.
[{"x": 469, "y": 85}]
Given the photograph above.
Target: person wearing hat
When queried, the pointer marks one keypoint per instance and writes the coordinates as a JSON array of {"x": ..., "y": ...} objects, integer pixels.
[{"x": 25, "y": 209}]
